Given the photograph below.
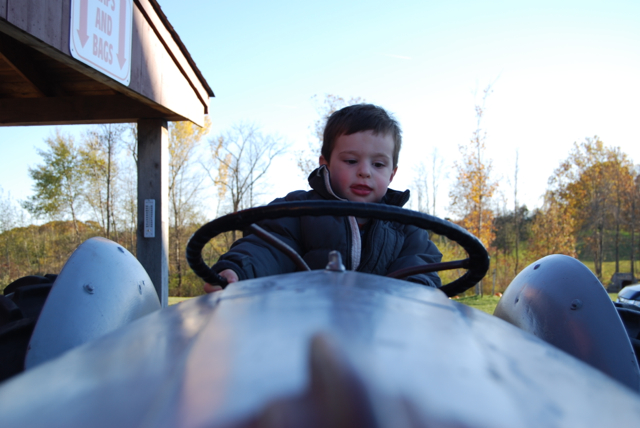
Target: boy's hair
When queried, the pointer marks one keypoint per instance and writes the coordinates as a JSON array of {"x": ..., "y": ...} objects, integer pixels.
[{"x": 358, "y": 118}]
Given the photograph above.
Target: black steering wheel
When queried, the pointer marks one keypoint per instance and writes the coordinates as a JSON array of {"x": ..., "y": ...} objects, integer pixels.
[{"x": 476, "y": 264}]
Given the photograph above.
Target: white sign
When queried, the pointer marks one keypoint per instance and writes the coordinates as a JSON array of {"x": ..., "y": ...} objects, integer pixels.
[
  {"x": 149, "y": 218},
  {"x": 101, "y": 36}
]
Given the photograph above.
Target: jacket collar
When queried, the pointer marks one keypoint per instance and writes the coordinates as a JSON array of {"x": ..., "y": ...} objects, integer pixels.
[{"x": 319, "y": 181}]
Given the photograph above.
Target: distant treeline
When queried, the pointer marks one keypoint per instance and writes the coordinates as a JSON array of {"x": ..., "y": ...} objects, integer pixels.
[
  {"x": 591, "y": 206},
  {"x": 39, "y": 250}
]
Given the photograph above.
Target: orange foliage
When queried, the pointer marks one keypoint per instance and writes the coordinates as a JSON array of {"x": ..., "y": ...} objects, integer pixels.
[
  {"x": 593, "y": 188},
  {"x": 472, "y": 193}
]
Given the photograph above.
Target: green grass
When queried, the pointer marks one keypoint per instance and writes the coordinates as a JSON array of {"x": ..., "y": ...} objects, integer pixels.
[
  {"x": 609, "y": 268},
  {"x": 485, "y": 303},
  {"x": 488, "y": 303},
  {"x": 174, "y": 300}
]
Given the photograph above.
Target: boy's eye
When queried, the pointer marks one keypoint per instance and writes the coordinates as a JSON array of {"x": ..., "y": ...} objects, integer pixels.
[
  {"x": 378, "y": 164},
  {"x": 350, "y": 161}
]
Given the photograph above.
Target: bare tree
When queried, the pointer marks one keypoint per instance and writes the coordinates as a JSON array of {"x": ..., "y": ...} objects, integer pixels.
[
  {"x": 242, "y": 156},
  {"x": 128, "y": 204},
  {"x": 437, "y": 168},
  {"x": 9, "y": 215},
  {"x": 516, "y": 217},
  {"x": 100, "y": 155},
  {"x": 184, "y": 186},
  {"x": 131, "y": 141},
  {"x": 307, "y": 159},
  {"x": 427, "y": 177},
  {"x": 421, "y": 188}
]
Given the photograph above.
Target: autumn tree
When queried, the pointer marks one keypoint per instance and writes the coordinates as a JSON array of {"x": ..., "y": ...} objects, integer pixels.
[
  {"x": 517, "y": 219},
  {"x": 620, "y": 172},
  {"x": 594, "y": 186},
  {"x": 579, "y": 185},
  {"x": 552, "y": 229},
  {"x": 512, "y": 228},
  {"x": 59, "y": 182},
  {"x": 471, "y": 195},
  {"x": 634, "y": 214},
  {"x": 307, "y": 159}
]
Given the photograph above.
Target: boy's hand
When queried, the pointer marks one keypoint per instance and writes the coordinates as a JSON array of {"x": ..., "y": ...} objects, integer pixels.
[
  {"x": 229, "y": 274},
  {"x": 208, "y": 288}
]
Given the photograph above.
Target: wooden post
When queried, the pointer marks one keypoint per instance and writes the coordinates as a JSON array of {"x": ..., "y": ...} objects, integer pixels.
[{"x": 153, "y": 203}]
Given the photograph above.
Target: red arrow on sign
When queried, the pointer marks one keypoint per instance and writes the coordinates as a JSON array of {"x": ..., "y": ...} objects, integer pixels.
[
  {"x": 122, "y": 33},
  {"x": 82, "y": 31}
]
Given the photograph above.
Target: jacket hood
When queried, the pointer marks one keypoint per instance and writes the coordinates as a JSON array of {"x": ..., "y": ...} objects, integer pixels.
[{"x": 319, "y": 180}]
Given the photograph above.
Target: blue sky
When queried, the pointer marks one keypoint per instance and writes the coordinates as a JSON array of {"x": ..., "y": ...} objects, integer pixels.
[{"x": 561, "y": 71}]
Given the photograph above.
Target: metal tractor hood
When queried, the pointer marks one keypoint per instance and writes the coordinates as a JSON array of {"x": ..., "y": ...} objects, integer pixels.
[{"x": 318, "y": 349}]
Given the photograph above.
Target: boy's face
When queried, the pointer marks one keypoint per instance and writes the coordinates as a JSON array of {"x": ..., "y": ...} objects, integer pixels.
[{"x": 361, "y": 166}]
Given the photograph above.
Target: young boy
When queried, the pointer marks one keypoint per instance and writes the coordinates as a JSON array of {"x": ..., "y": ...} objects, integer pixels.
[{"x": 359, "y": 159}]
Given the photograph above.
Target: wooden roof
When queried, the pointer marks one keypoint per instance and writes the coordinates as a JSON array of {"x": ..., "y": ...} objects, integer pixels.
[{"x": 41, "y": 83}]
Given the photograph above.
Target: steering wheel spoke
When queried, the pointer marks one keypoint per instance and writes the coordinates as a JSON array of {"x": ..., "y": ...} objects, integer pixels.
[{"x": 431, "y": 267}]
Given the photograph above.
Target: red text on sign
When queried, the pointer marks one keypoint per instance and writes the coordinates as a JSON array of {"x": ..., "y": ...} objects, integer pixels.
[
  {"x": 104, "y": 22},
  {"x": 102, "y": 49},
  {"x": 109, "y": 2}
]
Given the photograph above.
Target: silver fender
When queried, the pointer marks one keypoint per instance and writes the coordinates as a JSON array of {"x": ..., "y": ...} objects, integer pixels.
[
  {"x": 559, "y": 300},
  {"x": 101, "y": 288}
]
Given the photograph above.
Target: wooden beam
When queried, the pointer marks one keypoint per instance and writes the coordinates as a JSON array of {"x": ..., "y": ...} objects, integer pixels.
[
  {"x": 153, "y": 185},
  {"x": 156, "y": 97},
  {"x": 174, "y": 51},
  {"x": 17, "y": 55},
  {"x": 71, "y": 110}
]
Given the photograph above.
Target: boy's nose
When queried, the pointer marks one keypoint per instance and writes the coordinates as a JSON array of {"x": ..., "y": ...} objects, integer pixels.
[{"x": 364, "y": 171}]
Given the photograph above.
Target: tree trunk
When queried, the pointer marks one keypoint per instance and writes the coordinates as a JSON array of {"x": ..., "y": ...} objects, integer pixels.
[
  {"x": 516, "y": 216},
  {"x": 617, "y": 246},
  {"x": 599, "y": 252},
  {"x": 633, "y": 231},
  {"x": 177, "y": 253},
  {"x": 109, "y": 191},
  {"x": 75, "y": 224},
  {"x": 632, "y": 250},
  {"x": 517, "y": 232},
  {"x": 632, "y": 225}
]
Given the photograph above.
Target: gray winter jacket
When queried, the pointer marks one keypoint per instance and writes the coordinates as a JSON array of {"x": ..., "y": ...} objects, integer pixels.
[{"x": 383, "y": 246}]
